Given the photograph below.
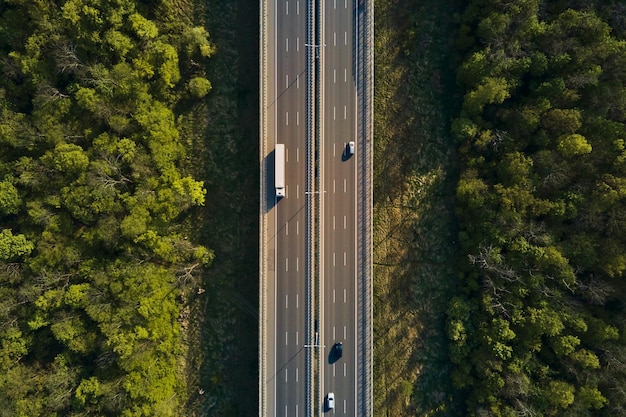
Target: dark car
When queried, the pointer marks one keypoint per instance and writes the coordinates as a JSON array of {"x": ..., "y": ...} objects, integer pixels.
[{"x": 338, "y": 347}]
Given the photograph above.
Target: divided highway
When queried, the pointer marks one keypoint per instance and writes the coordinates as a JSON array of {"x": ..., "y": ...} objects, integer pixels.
[
  {"x": 338, "y": 221},
  {"x": 314, "y": 257},
  {"x": 286, "y": 244}
]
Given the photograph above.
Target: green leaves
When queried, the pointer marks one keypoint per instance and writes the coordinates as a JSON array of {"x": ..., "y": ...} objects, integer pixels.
[
  {"x": 491, "y": 90},
  {"x": 88, "y": 391},
  {"x": 196, "y": 41},
  {"x": 67, "y": 158},
  {"x": 591, "y": 398},
  {"x": 540, "y": 199},
  {"x": 559, "y": 394},
  {"x": 10, "y": 200},
  {"x": 143, "y": 28},
  {"x": 92, "y": 261},
  {"x": 14, "y": 246},
  {"x": 199, "y": 87},
  {"x": 574, "y": 145}
]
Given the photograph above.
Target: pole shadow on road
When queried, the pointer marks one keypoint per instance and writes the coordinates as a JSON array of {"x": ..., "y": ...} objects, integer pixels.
[
  {"x": 282, "y": 368},
  {"x": 282, "y": 227},
  {"x": 291, "y": 83}
]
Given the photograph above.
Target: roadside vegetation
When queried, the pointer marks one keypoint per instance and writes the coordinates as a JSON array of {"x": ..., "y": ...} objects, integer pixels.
[
  {"x": 93, "y": 262},
  {"x": 129, "y": 165},
  {"x": 415, "y": 172},
  {"x": 222, "y": 360},
  {"x": 539, "y": 326},
  {"x": 129, "y": 147}
]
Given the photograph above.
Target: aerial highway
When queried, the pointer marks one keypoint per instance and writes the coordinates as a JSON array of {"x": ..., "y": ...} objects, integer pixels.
[
  {"x": 286, "y": 245},
  {"x": 315, "y": 268},
  {"x": 338, "y": 220}
]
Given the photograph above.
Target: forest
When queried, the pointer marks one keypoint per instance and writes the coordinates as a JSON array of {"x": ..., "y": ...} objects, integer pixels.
[
  {"x": 96, "y": 264},
  {"x": 93, "y": 263},
  {"x": 538, "y": 325}
]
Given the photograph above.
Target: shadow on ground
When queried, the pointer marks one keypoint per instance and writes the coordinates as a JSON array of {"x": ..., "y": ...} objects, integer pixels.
[
  {"x": 414, "y": 226},
  {"x": 223, "y": 330}
]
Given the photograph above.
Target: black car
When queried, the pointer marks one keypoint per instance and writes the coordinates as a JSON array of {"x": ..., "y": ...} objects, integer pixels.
[
  {"x": 350, "y": 149},
  {"x": 338, "y": 348}
]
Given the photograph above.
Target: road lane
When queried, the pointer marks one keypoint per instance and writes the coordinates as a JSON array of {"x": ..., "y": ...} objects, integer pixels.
[
  {"x": 339, "y": 206},
  {"x": 289, "y": 218},
  {"x": 289, "y": 214}
]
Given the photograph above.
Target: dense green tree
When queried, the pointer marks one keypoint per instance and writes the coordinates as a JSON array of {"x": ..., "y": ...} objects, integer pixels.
[
  {"x": 540, "y": 200},
  {"x": 91, "y": 189},
  {"x": 199, "y": 87},
  {"x": 10, "y": 200}
]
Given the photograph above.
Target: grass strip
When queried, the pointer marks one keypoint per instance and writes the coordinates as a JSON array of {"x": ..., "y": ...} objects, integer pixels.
[{"x": 414, "y": 228}]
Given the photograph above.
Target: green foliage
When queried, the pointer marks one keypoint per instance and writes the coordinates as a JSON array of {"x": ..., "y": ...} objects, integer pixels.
[
  {"x": 10, "y": 200},
  {"x": 67, "y": 158},
  {"x": 574, "y": 145},
  {"x": 591, "y": 398},
  {"x": 91, "y": 190},
  {"x": 142, "y": 27},
  {"x": 540, "y": 199},
  {"x": 489, "y": 91},
  {"x": 88, "y": 391},
  {"x": 196, "y": 40},
  {"x": 14, "y": 246},
  {"x": 559, "y": 394},
  {"x": 199, "y": 87}
]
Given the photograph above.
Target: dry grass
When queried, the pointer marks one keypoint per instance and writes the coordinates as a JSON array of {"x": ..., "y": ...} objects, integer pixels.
[
  {"x": 414, "y": 232},
  {"x": 222, "y": 133}
]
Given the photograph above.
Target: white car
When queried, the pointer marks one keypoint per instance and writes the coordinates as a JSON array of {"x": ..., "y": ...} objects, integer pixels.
[
  {"x": 330, "y": 402},
  {"x": 351, "y": 148}
]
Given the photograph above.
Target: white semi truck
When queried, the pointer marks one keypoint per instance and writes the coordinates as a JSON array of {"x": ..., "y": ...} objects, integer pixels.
[{"x": 279, "y": 166}]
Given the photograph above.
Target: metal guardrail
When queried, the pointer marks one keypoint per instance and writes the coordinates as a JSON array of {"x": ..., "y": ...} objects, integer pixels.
[
  {"x": 369, "y": 204},
  {"x": 263, "y": 208},
  {"x": 310, "y": 249},
  {"x": 365, "y": 23},
  {"x": 319, "y": 80}
]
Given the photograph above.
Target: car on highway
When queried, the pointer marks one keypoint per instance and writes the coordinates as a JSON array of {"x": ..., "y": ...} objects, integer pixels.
[
  {"x": 350, "y": 149},
  {"x": 338, "y": 348},
  {"x": 330, "y": 401}
]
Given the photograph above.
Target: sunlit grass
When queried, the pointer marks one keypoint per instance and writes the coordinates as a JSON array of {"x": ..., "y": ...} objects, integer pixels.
[{"x": 414, "y": 232}]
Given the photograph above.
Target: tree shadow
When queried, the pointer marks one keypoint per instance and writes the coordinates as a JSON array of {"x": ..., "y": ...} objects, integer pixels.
[
  {"x": 414, "y": 188},
  {"x": 223, "y": 351}
]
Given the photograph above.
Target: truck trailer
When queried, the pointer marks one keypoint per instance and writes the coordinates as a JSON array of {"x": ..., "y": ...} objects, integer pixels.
[{"x": 279, "y": 165}]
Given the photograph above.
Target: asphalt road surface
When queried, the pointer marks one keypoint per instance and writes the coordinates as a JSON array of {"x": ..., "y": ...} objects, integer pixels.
[
  {"x": 286, "y": 390},
  {"x": 339, "y": 280},
  {"x": 286, "y": 122}
]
